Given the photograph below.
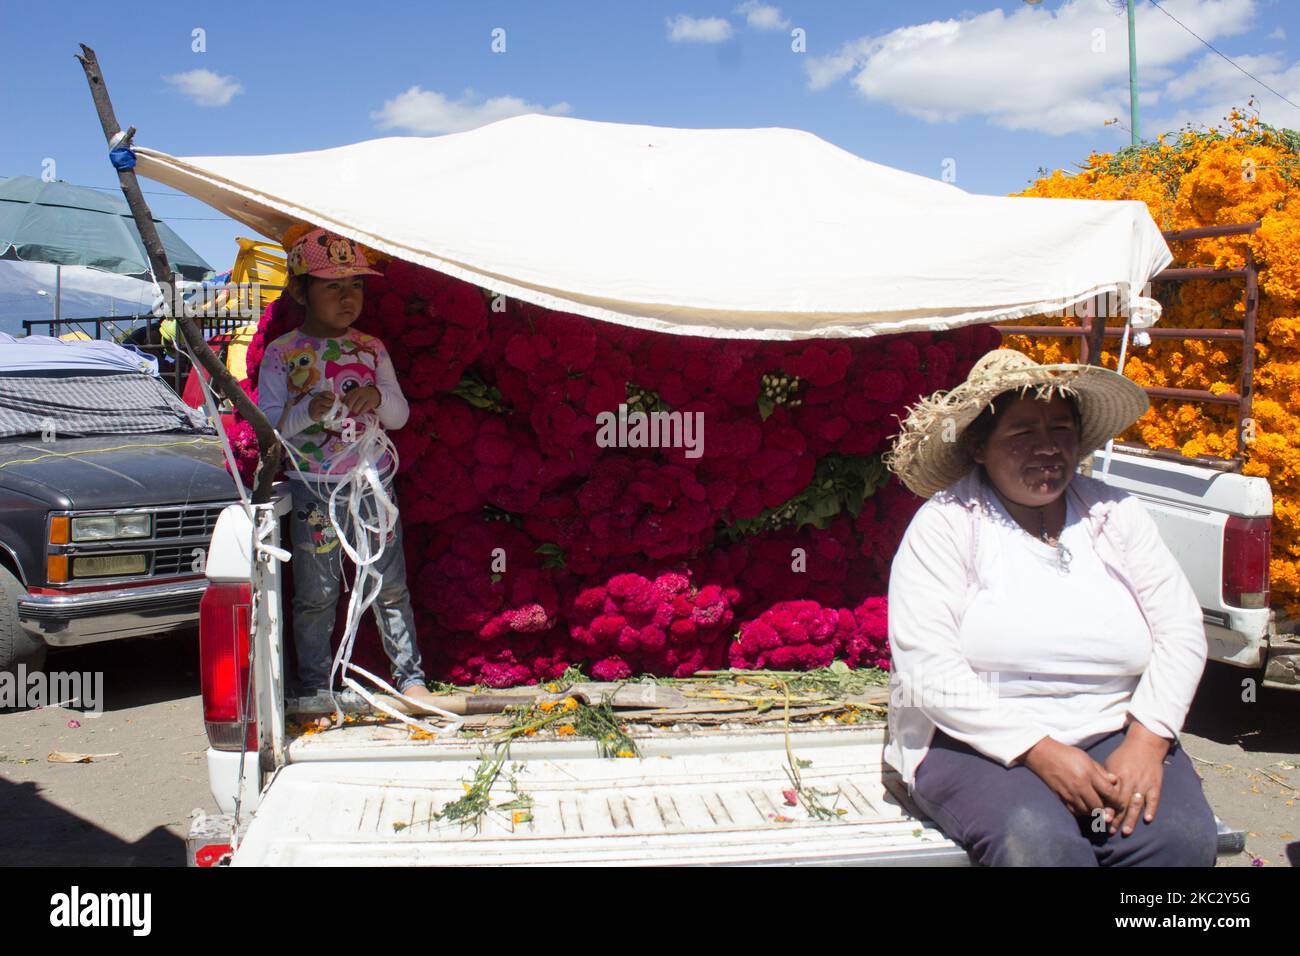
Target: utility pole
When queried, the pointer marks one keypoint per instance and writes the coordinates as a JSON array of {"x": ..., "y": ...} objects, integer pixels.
[
  {"x": 1132, "y": 77},
  {"x": 1132, "y": 69}
]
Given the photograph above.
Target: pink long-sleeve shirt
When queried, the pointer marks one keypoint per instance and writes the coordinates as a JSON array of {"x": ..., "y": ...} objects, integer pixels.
[
  {"x": 998, "y": 648},
  {"x": 297, "y": 366}
]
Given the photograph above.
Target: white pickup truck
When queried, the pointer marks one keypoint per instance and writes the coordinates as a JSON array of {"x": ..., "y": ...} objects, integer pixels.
[{"x": 696, "y": 794}]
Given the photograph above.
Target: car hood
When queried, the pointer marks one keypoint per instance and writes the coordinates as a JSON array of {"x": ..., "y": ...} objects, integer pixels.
[{"x": 118, "y": 471}]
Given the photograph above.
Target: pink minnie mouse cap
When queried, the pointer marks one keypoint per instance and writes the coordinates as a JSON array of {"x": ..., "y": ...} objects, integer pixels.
[{"x": 327, "y": 255}]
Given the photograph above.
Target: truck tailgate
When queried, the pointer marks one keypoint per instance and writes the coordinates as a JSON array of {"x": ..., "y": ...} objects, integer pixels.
[{"x": 676, "y": 805}]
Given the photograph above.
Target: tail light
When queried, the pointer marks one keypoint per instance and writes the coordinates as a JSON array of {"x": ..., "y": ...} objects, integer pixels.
[
  {"x": 224, "y": 615},
  {"x": 1246, "y": 546}
]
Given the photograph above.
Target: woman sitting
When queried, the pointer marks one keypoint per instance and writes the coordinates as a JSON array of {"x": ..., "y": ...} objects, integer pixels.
[{"x": 1046, "y": 645}]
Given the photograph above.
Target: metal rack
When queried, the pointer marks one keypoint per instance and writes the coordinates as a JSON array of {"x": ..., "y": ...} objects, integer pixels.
[{"x": 1093, "y": 331}]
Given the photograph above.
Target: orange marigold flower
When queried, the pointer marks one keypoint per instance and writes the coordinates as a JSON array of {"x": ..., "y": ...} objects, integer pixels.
[{"x": 1241, "y": 172}]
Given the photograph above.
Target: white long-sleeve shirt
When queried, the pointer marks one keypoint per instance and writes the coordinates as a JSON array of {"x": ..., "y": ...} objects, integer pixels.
[
  {"x": 297, "y": 366},
  {"x": 996, "y": 646}
]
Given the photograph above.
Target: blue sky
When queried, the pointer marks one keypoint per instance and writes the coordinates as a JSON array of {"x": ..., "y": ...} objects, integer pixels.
[{"x": 988, "y": 91}]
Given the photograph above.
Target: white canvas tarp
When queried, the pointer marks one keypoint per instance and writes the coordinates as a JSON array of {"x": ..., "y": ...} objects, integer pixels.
[{"x": 747, "y": 233}]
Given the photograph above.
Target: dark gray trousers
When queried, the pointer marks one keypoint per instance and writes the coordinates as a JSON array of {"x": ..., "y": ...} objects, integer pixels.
[{"x": 1009, "y": 817}]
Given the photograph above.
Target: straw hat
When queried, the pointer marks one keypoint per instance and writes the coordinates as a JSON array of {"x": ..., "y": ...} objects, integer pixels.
[{"x": 927, "y": 455}]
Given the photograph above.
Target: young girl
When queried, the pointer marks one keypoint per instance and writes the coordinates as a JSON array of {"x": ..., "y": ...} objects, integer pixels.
[{"x": 302, "y": 372}]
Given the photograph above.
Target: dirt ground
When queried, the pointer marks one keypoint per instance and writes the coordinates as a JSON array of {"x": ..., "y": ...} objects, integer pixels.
[
  {"x": 133, "y": 809},
  {"x": 1248, "y": 756}
]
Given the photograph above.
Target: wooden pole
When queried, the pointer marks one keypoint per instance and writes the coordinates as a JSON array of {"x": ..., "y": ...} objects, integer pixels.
[
  {"x": 1097, "y": 330},
  {"x": 1246, "y": 427},
  {"x": 268, "y": 446}
]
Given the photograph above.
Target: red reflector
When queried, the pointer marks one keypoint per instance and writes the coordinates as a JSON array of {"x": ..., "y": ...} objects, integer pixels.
[
  {"x": 224, "y": 614},
  {"x": 1246, "y": 547}
]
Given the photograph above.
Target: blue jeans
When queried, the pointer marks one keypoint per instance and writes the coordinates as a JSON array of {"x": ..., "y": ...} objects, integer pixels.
[
  {"x": 317, "y": 566},
  {"x": 1007, "y": 816}
]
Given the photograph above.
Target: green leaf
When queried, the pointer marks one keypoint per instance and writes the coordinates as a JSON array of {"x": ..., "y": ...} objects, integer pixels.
[
  {"x": 826, "y": 507},
  {"x": 765, "y": 407},
  {"x": 479, "y": 394},
  {"x": 554, "y": 555}
]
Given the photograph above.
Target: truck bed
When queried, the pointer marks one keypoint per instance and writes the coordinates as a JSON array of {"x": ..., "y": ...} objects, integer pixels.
[
  {"x": 363, "y": 796},
  {"x": 712, "y": 783}
]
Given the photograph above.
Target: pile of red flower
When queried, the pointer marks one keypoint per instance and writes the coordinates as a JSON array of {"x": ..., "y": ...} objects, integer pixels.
[{"x": 539, "y": 535}]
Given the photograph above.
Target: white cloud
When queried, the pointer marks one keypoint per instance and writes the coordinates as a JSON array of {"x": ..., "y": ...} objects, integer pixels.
[
  {"x": 204, "y": 87},
  {"x": 830, "y": 68},
  {"x": 1278, "y": 33},
  {"x": 1225, "y": 88},
  {"x": 429, "y": 112},
  {"x": 1213, "y": 73},
  {"x": 687, "y": 29},
  {"x": 1058, "y": 70},
  {"x": 762, "y": 16}
]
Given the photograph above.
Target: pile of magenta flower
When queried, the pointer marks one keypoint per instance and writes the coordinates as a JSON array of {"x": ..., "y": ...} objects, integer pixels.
[{"x": 539, "y": 536}]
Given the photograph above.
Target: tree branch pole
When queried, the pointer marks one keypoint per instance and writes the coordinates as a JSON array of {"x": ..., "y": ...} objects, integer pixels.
[{"x": 268, "y": 445}]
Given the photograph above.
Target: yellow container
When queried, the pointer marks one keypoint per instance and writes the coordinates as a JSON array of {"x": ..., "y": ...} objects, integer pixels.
[{"x": 263, "y": 263}]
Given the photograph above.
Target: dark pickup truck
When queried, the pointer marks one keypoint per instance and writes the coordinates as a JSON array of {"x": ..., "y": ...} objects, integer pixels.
[{"x": 106, "y": 510}]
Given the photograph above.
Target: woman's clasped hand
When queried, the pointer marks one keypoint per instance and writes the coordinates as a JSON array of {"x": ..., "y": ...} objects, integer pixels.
[{"x": 1120, "y": 792}]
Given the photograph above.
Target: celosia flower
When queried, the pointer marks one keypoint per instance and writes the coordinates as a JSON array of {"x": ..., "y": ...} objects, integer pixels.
[{"x": 612, "y": 557}]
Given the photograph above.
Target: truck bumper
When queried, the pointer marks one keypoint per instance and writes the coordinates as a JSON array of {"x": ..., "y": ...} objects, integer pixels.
[
  {"x": 223, "y": 780},
  {"x": 211, "y": 839},
  {"x": 67, "y": 620}
]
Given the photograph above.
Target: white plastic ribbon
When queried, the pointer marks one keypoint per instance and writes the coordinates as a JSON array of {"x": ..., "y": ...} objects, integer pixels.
[
  {"x": 362, "y": 490},
  {"x": 1123, "y": 353}
]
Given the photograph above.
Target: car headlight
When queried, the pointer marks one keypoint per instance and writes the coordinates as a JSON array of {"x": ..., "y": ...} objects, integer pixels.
[{"x": 111, "y": 527}]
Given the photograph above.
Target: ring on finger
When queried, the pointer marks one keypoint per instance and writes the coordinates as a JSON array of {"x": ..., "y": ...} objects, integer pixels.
[{"x": 1137, "y": 797}]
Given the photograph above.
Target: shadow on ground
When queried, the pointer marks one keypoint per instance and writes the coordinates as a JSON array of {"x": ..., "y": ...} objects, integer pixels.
[
  {"x": 36, "y": 832},
  {"x": 136, "y": 672},
  {"x": 1270, "y": 722}
]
